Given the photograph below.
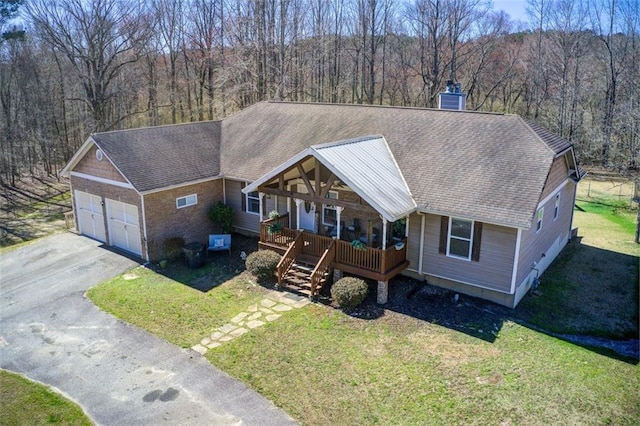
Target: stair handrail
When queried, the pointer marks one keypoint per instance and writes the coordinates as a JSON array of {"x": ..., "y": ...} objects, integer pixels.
[
  {"x": 289, "y": 257},
  {"x": 322, "y": 266}
]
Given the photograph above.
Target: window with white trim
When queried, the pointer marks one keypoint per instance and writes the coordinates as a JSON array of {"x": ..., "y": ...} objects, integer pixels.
[
  {"x": 556, "y": 207},
  {"x": 186, "y": 201},
  {"x": 460, "y": 238},
  {"x": 329, "y": 213},
  {"x": 539, "y": 215},
  {"x": 253, "y": 202}
]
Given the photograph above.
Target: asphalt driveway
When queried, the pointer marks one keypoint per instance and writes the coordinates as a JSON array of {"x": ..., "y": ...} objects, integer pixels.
[{"x": 118, "y": 373}]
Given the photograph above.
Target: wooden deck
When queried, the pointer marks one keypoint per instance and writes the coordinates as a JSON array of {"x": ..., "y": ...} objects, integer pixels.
[{"x": 329, "y": 253}]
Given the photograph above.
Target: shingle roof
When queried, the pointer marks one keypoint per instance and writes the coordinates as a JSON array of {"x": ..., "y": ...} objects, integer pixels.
[
  {"x": 364, "y": 164},
  {"x": 555, "y": 142},
  {"x": 487, "y": 167},
  {"x": 158, "y": 157}
]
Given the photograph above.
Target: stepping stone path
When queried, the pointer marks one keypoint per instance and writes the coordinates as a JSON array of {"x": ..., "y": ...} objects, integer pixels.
[{"x": 272, "y": 307}]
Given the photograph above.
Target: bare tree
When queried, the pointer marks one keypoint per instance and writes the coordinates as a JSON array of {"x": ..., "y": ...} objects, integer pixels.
[{"x": 98, "y": 38}]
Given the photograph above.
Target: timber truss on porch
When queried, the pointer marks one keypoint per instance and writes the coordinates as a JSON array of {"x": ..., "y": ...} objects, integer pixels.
[{"x": 357, "y": 180}]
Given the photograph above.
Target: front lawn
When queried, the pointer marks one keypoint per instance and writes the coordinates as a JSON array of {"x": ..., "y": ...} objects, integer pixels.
[{"x": 445, "y": 363}]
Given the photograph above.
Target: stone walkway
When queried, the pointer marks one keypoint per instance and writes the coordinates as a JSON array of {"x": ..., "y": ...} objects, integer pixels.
[{"x": 269, "y": 309}]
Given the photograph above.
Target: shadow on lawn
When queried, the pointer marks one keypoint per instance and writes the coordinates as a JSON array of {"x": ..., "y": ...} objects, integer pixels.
[
  {"x": 589, "y": 297},
  {"x": 218, "y": 267}
]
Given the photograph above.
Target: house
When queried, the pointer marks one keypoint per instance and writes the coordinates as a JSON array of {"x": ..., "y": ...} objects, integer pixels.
[{"x": 480, "y": 203}]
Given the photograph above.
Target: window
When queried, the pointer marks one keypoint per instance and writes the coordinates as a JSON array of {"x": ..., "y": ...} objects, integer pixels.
[
  {"x": 329, "y": 214},
  {"x": 460, "y": 238},
  {"x": 186, "y": 201},
  {"x": 253, "y": 202},
  {"x": 556, "y": 207},
  {"x": 540, "y": 215}
]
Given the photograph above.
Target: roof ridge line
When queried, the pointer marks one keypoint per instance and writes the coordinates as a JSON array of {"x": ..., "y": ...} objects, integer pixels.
[
  {"x": 156, "y": 127},
  {"x": 386, "y": 106}
]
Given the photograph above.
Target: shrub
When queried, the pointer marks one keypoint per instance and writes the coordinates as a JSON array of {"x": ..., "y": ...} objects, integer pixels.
[
  {"x": 263, "y": 263},
  {"x": 349, "y": 292},
  {"x": 222, "y": 215},
  {"x": 173, "y": 248}
]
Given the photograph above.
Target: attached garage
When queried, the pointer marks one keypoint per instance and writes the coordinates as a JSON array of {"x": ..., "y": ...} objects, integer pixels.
[
  {"x": 90, "y": 216},
  {"x": 124, "y": 226}
]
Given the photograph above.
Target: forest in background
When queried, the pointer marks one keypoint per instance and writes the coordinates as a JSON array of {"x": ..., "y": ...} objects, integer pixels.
[{"x": 73, "y": 67}]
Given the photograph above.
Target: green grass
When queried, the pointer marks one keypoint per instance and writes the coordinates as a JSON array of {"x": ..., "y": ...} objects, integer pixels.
[
  {"x": 324, "y": 367},
  {"x": 170, "y": 309},
  {"x": 25, "y": 402}
]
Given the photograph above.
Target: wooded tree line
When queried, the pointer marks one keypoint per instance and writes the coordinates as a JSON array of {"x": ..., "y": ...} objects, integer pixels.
[{"x": 82, "y": 66}]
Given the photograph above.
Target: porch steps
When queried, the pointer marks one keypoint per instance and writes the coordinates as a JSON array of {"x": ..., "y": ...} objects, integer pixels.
[{"x": 298, "y": 278}]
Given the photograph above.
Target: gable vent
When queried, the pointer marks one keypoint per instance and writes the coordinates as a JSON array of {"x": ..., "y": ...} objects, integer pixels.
[{"x": 453, "y": 98}]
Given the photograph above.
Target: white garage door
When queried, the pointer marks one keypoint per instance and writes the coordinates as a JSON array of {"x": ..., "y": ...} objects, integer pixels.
[
  {"x": 90, "y": 217},
  {"x": 124, "y": 226}
]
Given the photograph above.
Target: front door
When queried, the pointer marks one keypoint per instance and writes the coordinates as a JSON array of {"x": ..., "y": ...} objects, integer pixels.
[{"x": 308, "y": 216}]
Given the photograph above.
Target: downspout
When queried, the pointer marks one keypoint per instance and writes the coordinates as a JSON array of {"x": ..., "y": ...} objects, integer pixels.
[
  {"x": 516, "y": 259},
  {"x": 224, "y": 190},
  {"x": 423, "y": 220},
  {"x": 144, "y": 228}
]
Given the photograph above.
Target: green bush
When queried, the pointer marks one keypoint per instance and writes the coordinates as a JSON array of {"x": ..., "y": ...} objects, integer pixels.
[
  {"x": 349, "y": 292},
  {"x": 222, "y": 215},
  {"x": 173, "y": 248},
  {"x": 263, "y": 263}
]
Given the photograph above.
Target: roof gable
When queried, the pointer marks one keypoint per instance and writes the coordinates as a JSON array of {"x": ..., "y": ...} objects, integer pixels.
[
  {"x": 153, "y": 158},
  {"x": 366, "y": 165}
]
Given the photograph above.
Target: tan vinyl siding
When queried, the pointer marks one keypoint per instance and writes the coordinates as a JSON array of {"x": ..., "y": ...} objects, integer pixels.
[
  {"x": 413, "y": 241},
  {"x": 241, "y": 219},
  {"x": 90, "y": 165},
  {"x": 533, "y": 244},
  {"x": 557, "y": 174},
  {"x": 495, "y": 267}
]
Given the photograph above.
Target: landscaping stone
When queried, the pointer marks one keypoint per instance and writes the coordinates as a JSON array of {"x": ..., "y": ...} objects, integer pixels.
[
  {"x": 216, "y": 335},
  {"x": 282, "y": 308},
  {"x": 227, "y": 328},
  {"x": 200, "y": 349},
  {"x": 254, "y": 316},
  {"x": 238, "y": 332},
  {"x": 255, "y": 324},
  {"x": 238, "y": 318},
  {"x": 302, "y": 303},
  {"x": 268, "y": 303}
]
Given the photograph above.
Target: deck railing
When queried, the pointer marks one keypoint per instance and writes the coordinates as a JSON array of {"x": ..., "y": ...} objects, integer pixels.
[
  {"x": 373, "y": 260},
  {"x": 275, "y": 231},
  {"x": 322, "y": 267},
  {"x": 314, "y": 244},
  {"x": 289, "y": 257}
]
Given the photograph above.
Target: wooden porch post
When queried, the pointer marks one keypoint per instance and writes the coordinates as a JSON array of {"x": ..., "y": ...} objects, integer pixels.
[
  {"x": 298, "y": 204},
  {"x": 289, "y": 211},
  {"x": 338, "y": 213},
  {"x": 261, "y": 197},
  {"x": 384, "y": 233}
]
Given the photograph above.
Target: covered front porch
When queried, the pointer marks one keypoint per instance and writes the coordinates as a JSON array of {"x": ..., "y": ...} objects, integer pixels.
[
  {"x": 346, "y": 209},
  {"x": 329, "y": 253}
]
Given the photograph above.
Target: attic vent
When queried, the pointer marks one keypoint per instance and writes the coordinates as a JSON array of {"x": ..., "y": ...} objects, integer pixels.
[
  {"x": 99, "y": 155},
  {"x": 453, "y": 98}
]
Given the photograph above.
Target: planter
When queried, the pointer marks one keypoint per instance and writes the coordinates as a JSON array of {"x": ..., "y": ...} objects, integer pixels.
[{"x": 194, "y": 254}]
